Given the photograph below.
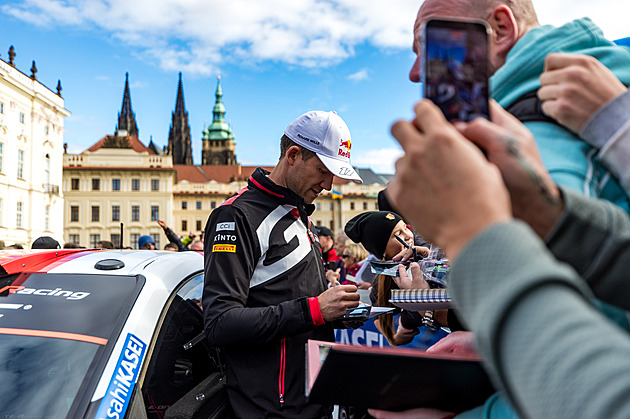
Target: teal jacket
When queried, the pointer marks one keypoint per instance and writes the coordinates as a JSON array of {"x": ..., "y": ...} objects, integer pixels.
[{"x": 570, "y": 161}]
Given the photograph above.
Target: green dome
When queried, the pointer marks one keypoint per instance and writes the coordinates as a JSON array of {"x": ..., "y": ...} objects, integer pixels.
[{"x": 219, "y": 129}]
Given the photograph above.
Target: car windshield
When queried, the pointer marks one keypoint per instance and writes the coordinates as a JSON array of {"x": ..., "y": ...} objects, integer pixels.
[
  {"x": 55, "y": 333},
  {"x": 41, "y": 376}
]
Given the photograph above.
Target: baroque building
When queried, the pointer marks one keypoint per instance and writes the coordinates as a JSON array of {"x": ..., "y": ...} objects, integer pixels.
[
  {"x": 31, "y": 150},
  {"x": 218, "y": 147}
]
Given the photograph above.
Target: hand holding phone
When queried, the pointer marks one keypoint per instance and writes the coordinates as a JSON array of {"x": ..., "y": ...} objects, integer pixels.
[{"x": 455, "y": 67}]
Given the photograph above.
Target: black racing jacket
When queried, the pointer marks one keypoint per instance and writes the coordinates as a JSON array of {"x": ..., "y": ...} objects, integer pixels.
[{"x": 263, "y": 265}]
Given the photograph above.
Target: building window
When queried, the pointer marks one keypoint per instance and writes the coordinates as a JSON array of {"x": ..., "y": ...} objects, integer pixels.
[
  {"x": 94, "y": 239},
  {"x": 364, "y": 206},
  {"x": 20, "y": 167},
  {"x": 135, "y": 213},
  {"x": 330, "y": 206},
  {"x": 135, "y": 184},
  {"x": 155, "y": 184},
  {"x": 18, "y": 218},
  {"x": 96, "y": 213},
  {"x": 198, "y": 205},
  {"x": 351, "y": 205},
  {"x": 73, "y": 238},
  {"x": 74, "y": 213},
  {"x": 318, "y": 206},
  {"x": 115, "y": 184},
  {"x": 199, "y": 225},
  {"x": 156, "y": 239},
  {"x": 21, "y": 117},
  {"x": 376, "y": 206},
  {"x": 47, "y": 218},
  {"x": 47, "y": 171},
  {"x": 46, "y": 130},
  {"x": 155, "y": 213},
  {"x": 213, "y": 205},
  {"x": 184, "y": 205},
  {"x": 74, "y": 184},
  {"x": 1, "y": 107},
  {"x": 96, "y": 184},
  {"x": 184, "y": 225},
  {"x": 115, "y": 239},
  {"x": 1, "y": 155},
  {"x": 134, "y": 241},
  {"x": 115, "y": 212}
]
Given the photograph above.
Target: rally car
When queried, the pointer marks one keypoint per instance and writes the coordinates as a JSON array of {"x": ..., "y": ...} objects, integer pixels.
[{"x": 105, "y": 334}]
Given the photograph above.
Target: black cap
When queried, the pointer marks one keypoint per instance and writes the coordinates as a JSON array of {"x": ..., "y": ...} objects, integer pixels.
[
  {"x": 324, "y": 231},
  {"x": 372, "y": 229},
  {"x": 45, "y": 242}
]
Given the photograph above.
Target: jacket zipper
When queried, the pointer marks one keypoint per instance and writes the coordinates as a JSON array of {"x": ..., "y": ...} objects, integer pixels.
[{"x": 281, "y": 375}]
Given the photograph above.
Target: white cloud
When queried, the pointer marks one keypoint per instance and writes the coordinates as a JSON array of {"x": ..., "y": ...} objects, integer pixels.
[
  {"x": 381, "y": 160},
  {"x": 199, "y": 35},
  {"x": 359, "y": 75}
]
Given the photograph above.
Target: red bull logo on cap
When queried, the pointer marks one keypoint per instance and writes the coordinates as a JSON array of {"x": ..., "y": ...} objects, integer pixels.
[{"x": 347, "y": 145}]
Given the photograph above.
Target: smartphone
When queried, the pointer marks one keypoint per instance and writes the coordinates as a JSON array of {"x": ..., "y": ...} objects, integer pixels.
[
  {"x": 456, "y": 67},
  {"x": 331, "y": 265}
]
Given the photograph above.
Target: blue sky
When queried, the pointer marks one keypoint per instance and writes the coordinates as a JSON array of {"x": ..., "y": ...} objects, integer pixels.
[{"x": 277, "y": 59}]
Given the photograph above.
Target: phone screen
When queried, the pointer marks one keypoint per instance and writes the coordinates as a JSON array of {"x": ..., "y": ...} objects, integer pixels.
[{"x": 455, "y": 67}]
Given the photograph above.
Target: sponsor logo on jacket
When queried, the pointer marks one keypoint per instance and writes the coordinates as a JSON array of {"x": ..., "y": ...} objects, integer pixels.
[
  {"x": 230, "y": 226},
  {"x": 229, "y": 248}
]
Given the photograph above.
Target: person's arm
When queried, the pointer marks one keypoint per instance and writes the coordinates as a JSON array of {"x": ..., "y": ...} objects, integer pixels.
[
  {"x": 593, "y": 236},
  {"x": 587, "y": 98},
  {"x": 172, "y": 237},
  {"x": 615, "y": 138},
  {"x": 508, "y": 286}
]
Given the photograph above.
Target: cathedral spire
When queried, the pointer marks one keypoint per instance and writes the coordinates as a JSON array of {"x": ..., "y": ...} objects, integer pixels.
[
  {"x": 179, "y": 142},
  {"x": 126, "y": 117},
  {"x": 179, "y": 103}
]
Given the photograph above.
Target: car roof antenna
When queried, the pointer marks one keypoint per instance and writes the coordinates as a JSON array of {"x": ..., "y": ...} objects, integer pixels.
[{"x": 121, "y": 236}]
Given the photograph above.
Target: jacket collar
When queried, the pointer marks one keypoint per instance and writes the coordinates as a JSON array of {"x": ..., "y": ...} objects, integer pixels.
[{"x": 260, "y": 180}]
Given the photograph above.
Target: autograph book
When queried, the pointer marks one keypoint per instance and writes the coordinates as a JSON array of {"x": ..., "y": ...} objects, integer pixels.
[
  {"x": 421, "y": 299},
  {"x": 393, "y": 378}
]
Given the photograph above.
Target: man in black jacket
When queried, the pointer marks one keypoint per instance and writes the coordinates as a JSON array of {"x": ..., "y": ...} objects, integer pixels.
[{"x": 266, "y": 290}]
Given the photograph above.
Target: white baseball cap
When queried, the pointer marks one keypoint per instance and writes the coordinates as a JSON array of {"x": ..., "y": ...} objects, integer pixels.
[{"x": 328, "y": 136}]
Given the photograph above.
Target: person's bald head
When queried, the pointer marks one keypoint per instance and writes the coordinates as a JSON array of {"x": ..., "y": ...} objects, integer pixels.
[{"x": 508, "y": 19}]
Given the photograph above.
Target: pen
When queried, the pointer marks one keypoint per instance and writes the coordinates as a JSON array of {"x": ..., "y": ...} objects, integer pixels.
[{"x": 404, "y": 243}]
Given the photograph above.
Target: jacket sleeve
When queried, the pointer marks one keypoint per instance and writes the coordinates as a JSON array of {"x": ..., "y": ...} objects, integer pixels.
[
  {"x": 593, "y": 236},
  {"x": 609, "y": 131},
  {"x": 174, "y": 238},
  {"x": 543, "y": 343},
  {"x": 231, "y": 252}
]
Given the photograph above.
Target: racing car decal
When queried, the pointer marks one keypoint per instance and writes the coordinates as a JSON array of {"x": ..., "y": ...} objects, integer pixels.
[{"x": 116, "y": 400}]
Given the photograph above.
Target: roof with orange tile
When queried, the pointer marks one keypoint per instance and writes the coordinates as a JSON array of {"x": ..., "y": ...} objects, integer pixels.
[{"x": 133, "y": 142}]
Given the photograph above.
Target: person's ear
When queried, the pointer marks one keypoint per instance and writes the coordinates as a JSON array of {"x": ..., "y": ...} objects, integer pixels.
[
  {"x": 293, "y": 154},
  {"x": 505, "y": 33}
]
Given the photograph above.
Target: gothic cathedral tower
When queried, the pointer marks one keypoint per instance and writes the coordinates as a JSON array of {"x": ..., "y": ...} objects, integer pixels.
[
  {"x": 179, "y": 143},
  {"x": 218, "y": 139},
  {"x": 126, "y": 117}
]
